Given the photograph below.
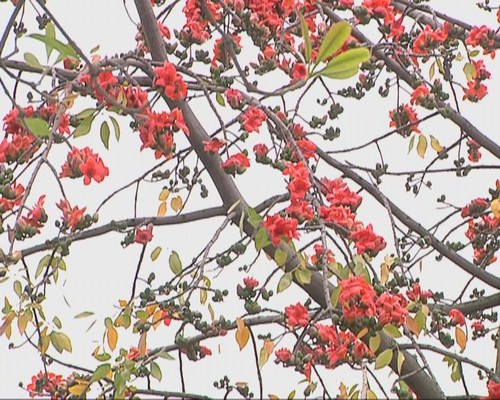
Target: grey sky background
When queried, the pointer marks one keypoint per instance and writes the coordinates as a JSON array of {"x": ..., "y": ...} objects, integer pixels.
[{"x": 100, "y": 272}]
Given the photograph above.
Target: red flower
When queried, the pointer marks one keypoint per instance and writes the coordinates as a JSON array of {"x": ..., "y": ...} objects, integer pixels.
[
  {"x": 279, "y": 227},
  {"x": 338, "y": 193},
  {"x": 367, "y": 241},
  {"x": 283, "y": 355},
  {"x": 297, "y": 315},
  {"x": 416, "y": 293},
  {"x": 493, "y": 390},
  {"x": 391, "y": 309},
  {"x": 44, "y": 384},
  {"x": 478, "y": 326},
  {"x": 84, "y": 163},
  {"x": 71, "y": 215},
  {"x": 299, "y": 72},
  {"x": 205, "y": 351},
  {"x": 260, "y": 151},
  {"x": 475, "y": 91},
  {"x": 474, "y": 155},
  {"x": 318, "y": 253},
  {"x": 71, "y": 63},
  {"x": 234, "y": 98},
  {"x": 430, "y": 38},
  {"x": 144, "y": 236},
  {"x": 484, "y": 37},
  {"x": 165, "y": 316},
  {"x": 404, "y": 115},
  {"x": 236, "y": 164},
  {"x": 167, "y": 77},
  {"x": 475, "y": 208},
  {"x": 252, "y": 119},
  {"x": 213, "y": 146},
  {"x": 457, "y": 318},
  {"x": 419, "y": 94},
  {"x": 357, "y": 298},
  {"x": 250, "y": 282},
  {"x": 133, "y": 353}
]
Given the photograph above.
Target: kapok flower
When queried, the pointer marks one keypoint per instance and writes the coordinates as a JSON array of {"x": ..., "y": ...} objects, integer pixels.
[
  {"x": 252, "y": 119},
  {"x": 457, "y": 318},
  {"x": 173, "y": 84},
  {"x": 357, "y": 298},
  {"x": 84, "y": 163},
  {"x": 283, "y": 355},
  {"x": 145, "y": 235},
  {"x": 71, "y": 215},
  {"x": 296, "y": 315},
  {"x": 250, "y": 282},
  {"x": 367, "y": 241},
  {"x": 213, "y": 146},
  {"x": 236, "y": 164},
  {"x": 279, "y": 227}
]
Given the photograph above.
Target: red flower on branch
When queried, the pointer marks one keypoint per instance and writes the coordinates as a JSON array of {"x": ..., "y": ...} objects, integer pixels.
[
  {"x": 456, "y": 316},
  {"x": 236, "y": 164},
  {"x": 213, "y": 146},
  {"x": 252, "y": 119},
  {"x": 279, "y": 227},
  {"x": 367, "y": 241},
  {"x": 145, "y": 235},
  {"x": 296, "y": 315},
  {"x": 250, "y": 282},
  {"x": 84, "y": 163},
  {"x": 357, "y": 298},
  {"x": 71, "y": 215},
  {"x": 44, "y": 384},
  {"x": 173, "y": 84},
  {"x": 283, "y": 355}
]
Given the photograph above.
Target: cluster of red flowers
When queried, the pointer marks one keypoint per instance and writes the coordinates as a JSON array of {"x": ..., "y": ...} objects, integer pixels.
[
  {"x": 296, "y": 315},
  {"x": 420, "y": 95},
  {"x": 281, "y": 228},
  {"x": 234, "y": 98},
  {"x": 157, "y": 131},
  {"x": 473, "y": 151},
  {"x": 252, "y": 119},
  {"x": 359, "y": 300},
  {"x": 481, "y": 229},
  {"x": 484, "y": 37},
  {"x": 84, "y": 163},
  {"x": 20, "y": 144},
  {"x": 12, "y": 194},
  {"x": 196, "y": 28},
  {"x": 298, "y": 188},
  {"x": 430, "y": 38},
  {"x": 213, "y": 146},
  {"x": 171, "y": 81},
  {"x": 45, "y": 384}
]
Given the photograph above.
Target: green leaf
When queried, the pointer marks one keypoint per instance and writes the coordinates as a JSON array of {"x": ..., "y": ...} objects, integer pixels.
[
  {"x": 307, "y": 38},
  {"x": 102, "y": 357},
  {"x": 469, "y": 71},
  {"x": 280, "y": 257},
  {"x": 61, "y": 342},
  {"x": 285, "y": 282},
  {"x": 44, "y": 263},
  {"x": 220, "y": 99},
  {"x": 334, "y": 40},
  {"x": 85, "y": 113},
  {"x": 334, "y": 298},
  {"x": 116, "y": 127},
  {"x": 165, "y": 355},
  {"x": 432, "y": 71},
  {"x": 18, "y": 289},
  {"x": 100, "y": 372},
  {"x": 261, "y": 239},
  {"x": 383, "y": 359},
  {"x": 57, "y": 322},
  {"x": 84, "y": 127},
  {"x": 51, "y": 43},
  {"x": 392, "y": 331},
  {"x": 37, "y": 126},
  {"x": 346, "y": 64},
  {"x": 303, "y": 276},
  {"x": 411, "y": 143},
  {"x": 50, "y": 31},
  {"x": 254, "y": 218},
  {"x": 155, "y": 253},
  {"x": 401, "y": 360},
  {"x": 155, "y": 371},
  {"x": 105, "y": 132},
  {"x": 421, "y": 146},
  {"x": 95, "y": 49},
  {"x": 31, "y": 60},
  {"x": 175, "y": 263},
  {"x": 374, "y": 342}
]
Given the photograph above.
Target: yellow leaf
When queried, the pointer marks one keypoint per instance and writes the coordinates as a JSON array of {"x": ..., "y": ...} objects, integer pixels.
[
  {"x": 122, "y": 303},
  {"x": 44, "y": 342},
  {"x": 164, "y": 195},
  {"x": 242, "y": 334},
  {"x": 343, "y": 391},
  {"x": 263, "y": 357},
  {"x": 269, "y": 346},
  {"x": 157, "y": 319},
  {"x": 436, "y": 145},
  {"x": 362, "y": 332},
  {"x": 273, "y": 397},
  {"x": 495, "y": 207},
  {"x": 112, "y": 336},
  {"x": 203, "y": 296},
  {"x": 142, "y": 344},
  {"x": 384, "y": 273},
  {"x": 162, "y": 209},
  {"x": 461, "y": 338},
  {"x": 6, "y": 324},
  {"x": 422, "y": 146},
  {"x": 151, "y": 309},
  {"x": 176, "y": 203},
  {"x": 78, "y": 390},
  {"x": 412, "y": 326}
]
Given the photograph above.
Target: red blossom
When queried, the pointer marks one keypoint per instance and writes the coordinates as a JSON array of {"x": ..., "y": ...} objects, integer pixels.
[
  {"x": 419, "y": 94},
  {"x": 297, "y": 315},
  {"x": 84, "y": 163},
  {"x": 475, "y": 91},
  {"x": 173, "y": 84},
  {"x": 338, "y": 193},
  {"x": 71, "y": 215},
  {"x": 482, "y": 36},
  {"x": 475, "y": 208},
  {"x": 145, "y": 235},
  {"x": 252, "y": 119},
  {"x": 260, "y": 151},
  {"x": 234, "y": 98},
  {"x": 478, "y": 326},
  {"x": 416, "y": 293},
  {"x": 299, "y": 72},
  {"x": 391, "y": 309},
  {"x": 493, "y": 391},
  {"x": 44, "y": 384},
  {"x": 357, "y": 298},
  {"x": 279, "y": 227},
  {"x": 213, "y": 146},
  {"x": 402, "y": 116},
  {"x": 283, "y": 355},
  {"x": 250, "y": 282},
  {"x": 367, "y": 241},
  {"x": 236, "y": 164},
  {"x": 457, "y": 318},
  {"x": 205, "y": 351}
]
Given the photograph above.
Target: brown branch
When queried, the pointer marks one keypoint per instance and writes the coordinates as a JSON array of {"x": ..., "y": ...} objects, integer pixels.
[{"x": 419, "y": 381}]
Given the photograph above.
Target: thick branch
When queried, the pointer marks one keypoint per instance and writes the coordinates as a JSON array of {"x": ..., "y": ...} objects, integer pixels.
[{"x": 419, "y": 381}]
